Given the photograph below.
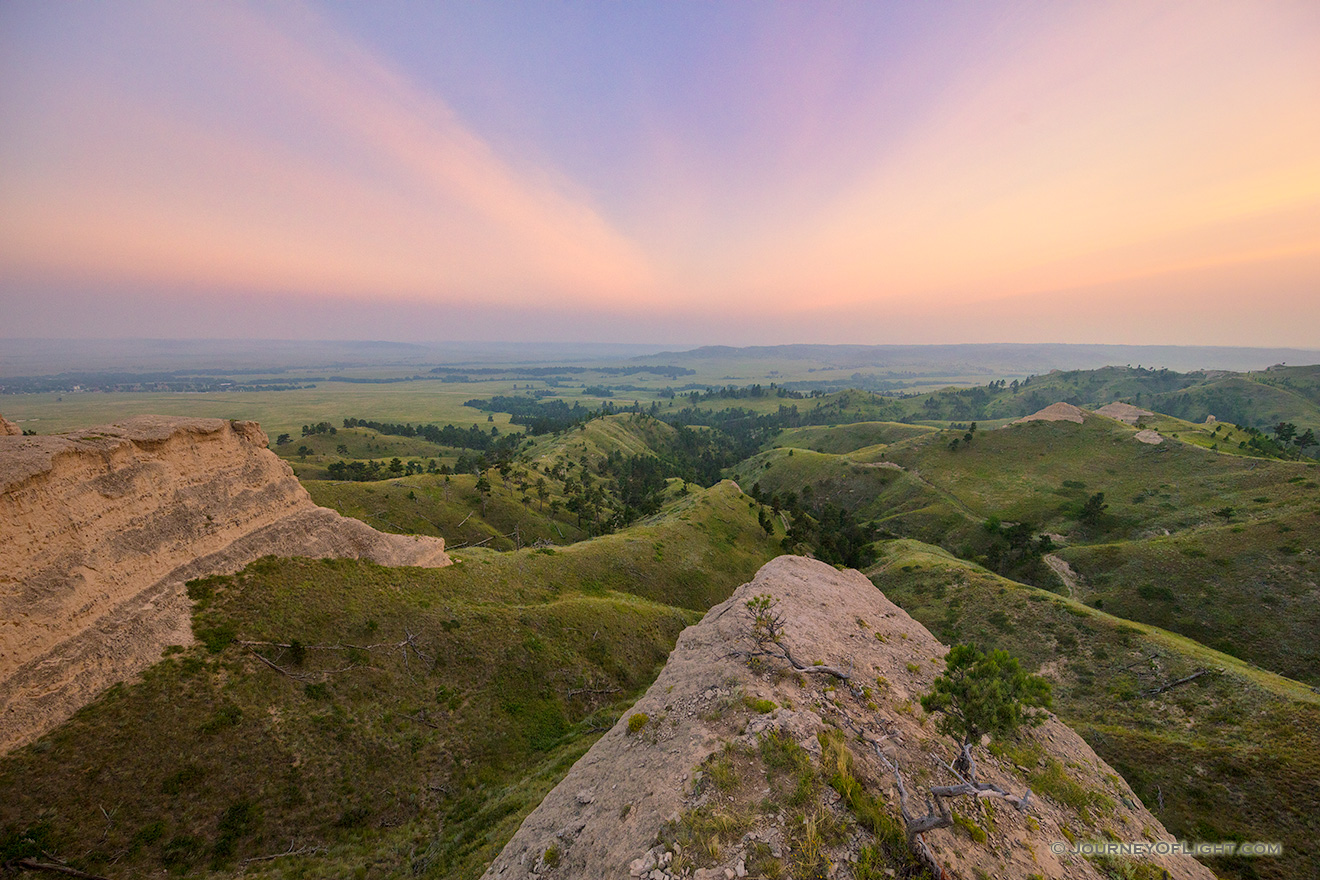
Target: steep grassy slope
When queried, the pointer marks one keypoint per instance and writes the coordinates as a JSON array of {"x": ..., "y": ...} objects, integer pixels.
[
  {"x": 1248, "y": 589},
  {"x": 1231, "y": 755},
  {"x": 623, "y": 434},
  {"x": 1217, "y": 547},
  {"x": 405, "y": 701},
  {"x": 441, "y": 504}
]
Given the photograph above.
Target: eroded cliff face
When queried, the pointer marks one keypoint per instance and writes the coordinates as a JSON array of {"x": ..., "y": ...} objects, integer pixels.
[
  {"x": 100, "y": 529},
  {"x": 725, "y": 769}
]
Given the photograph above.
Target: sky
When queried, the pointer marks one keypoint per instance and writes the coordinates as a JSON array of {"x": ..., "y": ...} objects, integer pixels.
[{"x": 679, "y": 172}]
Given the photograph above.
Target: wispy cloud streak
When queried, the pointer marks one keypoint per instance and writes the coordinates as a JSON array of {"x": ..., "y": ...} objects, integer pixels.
[{"x": 287, "y": 158}]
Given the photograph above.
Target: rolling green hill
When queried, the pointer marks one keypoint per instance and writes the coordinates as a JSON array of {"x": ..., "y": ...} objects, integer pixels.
[
  {"x": 848, "y": 438},
  {"x": 1217, "y": 547}
]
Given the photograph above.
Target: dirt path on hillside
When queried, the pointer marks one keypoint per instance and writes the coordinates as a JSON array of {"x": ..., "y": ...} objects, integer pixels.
[
  {"x": 946, "y": 495},
  {"x": 1070, "y": 578}
]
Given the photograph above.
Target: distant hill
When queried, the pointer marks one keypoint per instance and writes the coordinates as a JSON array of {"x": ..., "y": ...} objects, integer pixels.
[
  {"x": 1002, "y": 358},
  {"x": 1259, "y": 399}
]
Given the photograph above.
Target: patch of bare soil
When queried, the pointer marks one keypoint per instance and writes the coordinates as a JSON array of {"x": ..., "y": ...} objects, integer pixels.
[{"x": 1065, "y": 572}]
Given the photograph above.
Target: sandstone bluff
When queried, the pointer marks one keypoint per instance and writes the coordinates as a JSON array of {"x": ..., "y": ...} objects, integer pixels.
[
  {"x": 101, "y": 529},
  {"x": 700, "y": 760}
]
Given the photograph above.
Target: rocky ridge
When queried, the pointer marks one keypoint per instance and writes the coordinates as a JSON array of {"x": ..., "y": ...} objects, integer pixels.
[
  {"x": 1124, "y": 412},
  {"x": 101, "y": 529},
  {"x": 729, "y": 767}
]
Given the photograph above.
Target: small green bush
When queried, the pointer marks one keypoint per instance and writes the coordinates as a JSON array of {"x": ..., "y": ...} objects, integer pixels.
[
  {"x": 638, "y": 721},
  {"x": 216, "y": 638},
  {"x": 974, "y": 831}
]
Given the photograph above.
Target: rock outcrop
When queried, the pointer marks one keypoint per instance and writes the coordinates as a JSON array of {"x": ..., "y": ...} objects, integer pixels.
[
  {"x": 1055, "y": 412},
  {"x": 1125, "y": 412},
  {"x": 9, "y": 429},
  {"x": 101, "y": 529},
  {"x": 724, "y": 767}
]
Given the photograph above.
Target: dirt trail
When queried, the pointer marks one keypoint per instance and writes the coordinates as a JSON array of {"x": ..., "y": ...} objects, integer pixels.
[{"x": 1070, "y": 578}]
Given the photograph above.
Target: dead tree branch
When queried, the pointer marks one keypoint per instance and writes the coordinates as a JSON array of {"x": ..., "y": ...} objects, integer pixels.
[
  {"x": 300, "y": 851},
  {"x": 592, "y": 692},
  {"x": 34, "y": 865},
  {"x": 1173, "y": 684},
  {"x": 937, "y": 816},
  {"x": 969, "y": 786},
  {"x": 307, "y": 677}
]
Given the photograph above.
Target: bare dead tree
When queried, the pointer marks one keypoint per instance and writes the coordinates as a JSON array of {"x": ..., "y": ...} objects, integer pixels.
[
  {"x": 765, "y": 631},
  {"x": 291, "y": 851},
  {"x": 305, "y": 677},
  {"x": 937, "y": 813},
  {"x": 936, "y": 816}
]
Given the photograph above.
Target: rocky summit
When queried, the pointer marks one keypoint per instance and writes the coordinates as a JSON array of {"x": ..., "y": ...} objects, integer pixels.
[{"x": 794, "y": 757}]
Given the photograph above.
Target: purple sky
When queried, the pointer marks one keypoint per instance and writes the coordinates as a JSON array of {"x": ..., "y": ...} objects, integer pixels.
[{"x": 734, "y": 173}]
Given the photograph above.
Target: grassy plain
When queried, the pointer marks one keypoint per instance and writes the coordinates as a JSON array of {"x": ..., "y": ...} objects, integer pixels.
[{"x": 279, "y": 412}]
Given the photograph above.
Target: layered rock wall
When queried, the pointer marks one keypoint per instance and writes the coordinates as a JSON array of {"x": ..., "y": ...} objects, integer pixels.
[{"x": 100, "y": 529}]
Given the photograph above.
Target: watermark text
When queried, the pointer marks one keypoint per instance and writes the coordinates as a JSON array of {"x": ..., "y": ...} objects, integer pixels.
[{"x": 1196, "y": 848}]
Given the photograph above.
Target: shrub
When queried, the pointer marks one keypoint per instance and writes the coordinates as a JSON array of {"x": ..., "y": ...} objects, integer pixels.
[
  {"x": 216, "y": 638},
  {"x": 638, "y": 721},
  {"x": 985, "y": 693}
]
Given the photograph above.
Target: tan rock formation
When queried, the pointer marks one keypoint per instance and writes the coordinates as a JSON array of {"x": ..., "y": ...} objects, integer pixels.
[
  {"x": 1124, "y": 412},
  {"x": 9, "y": 429},
  {"x": 605, "y": 817},
  {"x": 101, "y": 528},
  {"x": 1056, "y": 412}
]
